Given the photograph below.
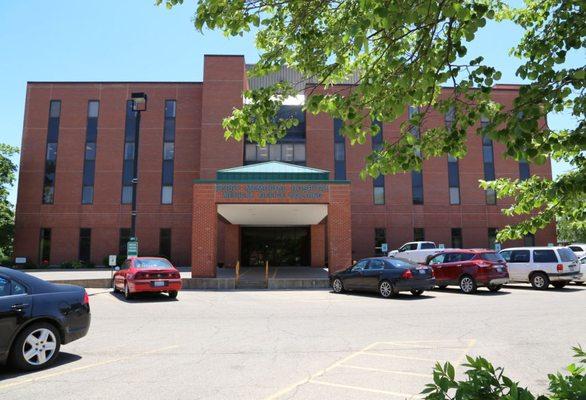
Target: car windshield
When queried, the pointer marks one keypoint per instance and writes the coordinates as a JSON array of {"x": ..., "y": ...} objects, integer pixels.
[
  {"x": 157, "y": 263},
  {"x": 400, "y": 263},
  {"x": 494, "y": 257},
  {"x": 567, "y": 255}
]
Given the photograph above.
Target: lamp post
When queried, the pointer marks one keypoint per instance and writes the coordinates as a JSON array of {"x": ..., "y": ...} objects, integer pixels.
[{"x": 139, "y": 104}]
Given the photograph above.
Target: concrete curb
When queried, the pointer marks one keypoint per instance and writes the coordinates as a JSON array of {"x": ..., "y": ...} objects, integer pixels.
[{"x": 298, "y": 283}]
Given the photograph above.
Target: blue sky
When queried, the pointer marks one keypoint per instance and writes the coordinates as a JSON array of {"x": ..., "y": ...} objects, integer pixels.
[{"x": 132, "y": 40}]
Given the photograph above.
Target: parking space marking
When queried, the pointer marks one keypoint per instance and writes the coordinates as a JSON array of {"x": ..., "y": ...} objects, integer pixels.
[
  {"x": 365, "y": 389},
  {"x": 389, "y": 371},
  {"x": 84, "y": 367},
  {"x": 370, "y": 353}
]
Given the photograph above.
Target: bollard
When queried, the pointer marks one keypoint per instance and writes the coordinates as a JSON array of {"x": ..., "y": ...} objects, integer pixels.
[
  {"x": 267, "y": 274},
  {"x": 237, "y": 272}
]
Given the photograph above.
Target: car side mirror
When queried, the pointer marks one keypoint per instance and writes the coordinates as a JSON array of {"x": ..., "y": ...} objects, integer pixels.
[{"x": 116, "y": 268}]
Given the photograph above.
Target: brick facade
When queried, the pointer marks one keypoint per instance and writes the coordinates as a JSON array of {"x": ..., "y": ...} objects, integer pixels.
[{"x": 200, "y": 150}]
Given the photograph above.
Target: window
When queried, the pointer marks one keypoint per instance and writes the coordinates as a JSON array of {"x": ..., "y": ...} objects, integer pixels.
[
  {"x": 491, "y": 238},
  {"x": 89, "y": 166},
  {"x": 494, "y": 257},
  {"x": 85, "y": 240},
  {"x": 4, "y": 287},
  {"x": 128, "y": 171},
  {"x": 378, "y": 183},
  {"x": 488, "y": 161},
  {"x": 516, "y": 256},
  {"x": 124, "y": 237},
  {"x": 380, "y": 237},
  {"x": 544, "y": 256},
  {"x": 529, "y": 240},
  {"x": 339, "y": 151},
  {"x": 376, "y": 265},
  {"x": 576, "y": 248},
  {"x": 453, "y": 180},
  {"x": 428, "y": 245},
  {"x": 168, "y": 152},
  {"x": 457, "y": 242},
  {"x": 418, "y": 235},
  {"x": 567, "y": 255},
  {"x": 417, "y": 186},
  {"x": 359, "y": 266},
  {"x": 45, "y": 246},
  {"x": 165, "y": 243},
  {"x": 397, "y": 263},
  {"x": 17, "y": 288},
  {"x": 437, "y": 259},
  {"x": 524, "y": 171},
  {"x": 51, "y": 152}
]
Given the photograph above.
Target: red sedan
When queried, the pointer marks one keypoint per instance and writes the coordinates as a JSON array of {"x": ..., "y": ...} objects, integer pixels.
[
  {"x": 469, "y": 269},
  {"x": 147, "y": 274}
]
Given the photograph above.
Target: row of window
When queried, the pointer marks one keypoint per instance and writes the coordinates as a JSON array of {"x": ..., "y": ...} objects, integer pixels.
[
  {"x": 457, "y": 241},
  {"x": 85, "y": 243}
]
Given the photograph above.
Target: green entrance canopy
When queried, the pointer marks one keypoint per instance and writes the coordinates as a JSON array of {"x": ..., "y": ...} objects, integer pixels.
[{"x": 272, "y": 171}]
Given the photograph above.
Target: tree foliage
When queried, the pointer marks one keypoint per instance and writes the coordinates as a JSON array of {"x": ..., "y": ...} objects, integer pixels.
[
  {"x": 7, "y": 177},
  {"x": 404, "y": 52}
]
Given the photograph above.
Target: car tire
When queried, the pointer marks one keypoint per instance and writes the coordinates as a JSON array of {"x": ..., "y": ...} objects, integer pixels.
[
  {"x": 539, "y": 281},
  {"x": 494, "y": 288},
  {"x": 338, "y": 285},
  {"x": 173, "y": 294},
  {"x": 127, "y": 294},
  {"x": 579, "y": 283},
  {"x": 468, "y": 284},
  {"x": 559, "y": 285},
  {"x": 417, "y": 292},
  {"x": 36, "y": 346},
  {"x": 386, "y": 289},
  {"x": 114, "y": 288}
]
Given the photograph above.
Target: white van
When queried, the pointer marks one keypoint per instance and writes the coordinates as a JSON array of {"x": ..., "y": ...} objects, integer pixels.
[{"x": 541, "y": 266}]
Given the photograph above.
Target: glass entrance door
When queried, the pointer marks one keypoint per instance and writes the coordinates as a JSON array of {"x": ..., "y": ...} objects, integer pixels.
[{"x": 280, "y": 246}]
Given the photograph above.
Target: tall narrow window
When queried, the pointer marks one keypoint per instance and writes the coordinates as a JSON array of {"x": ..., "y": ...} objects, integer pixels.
[
  {"x": 123, "y": 238},
  {"x": 453, "y": 166},
  {"x": 418, "y": 234},
  {"x": 491, "y": 238},
  {"x": 524, "y": 170},
  {"x": 168, "y": 152},
  {"x": 165, "y": 243},
  {"x": 89, "y": 164},
  {"x": 51, "y": 152},
  {"x": 378, "y": 182},
  {"x": 380, "y": 237},
  {"x": 85, "y": 244},
  {"x": 45, "y": 246},
  {"x": 529, "y": 240},
  {"x": 339, "y": 151},
  {"x": 128, "y": 163},
  {"x": 488, "y": 160},
  {"x": 457, "y": 242},
  {"x": 416, "y": 176}
]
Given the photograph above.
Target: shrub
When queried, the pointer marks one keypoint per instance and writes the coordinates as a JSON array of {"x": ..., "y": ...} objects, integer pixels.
[
  {"x": 484, "y": 381},
  {"x": 76, "y": 264}
]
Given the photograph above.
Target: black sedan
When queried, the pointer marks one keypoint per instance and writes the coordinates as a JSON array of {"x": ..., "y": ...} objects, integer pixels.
[
  {"x": 385, "y": 275},
  {"x": 37, "y": 317}
]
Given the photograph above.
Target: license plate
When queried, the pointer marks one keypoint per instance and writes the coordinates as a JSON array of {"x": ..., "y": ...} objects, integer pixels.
[
  {"x": 422, "y": 271},
  {"x": 499, "y": 269},
  {"x": 159, "y": 283}
]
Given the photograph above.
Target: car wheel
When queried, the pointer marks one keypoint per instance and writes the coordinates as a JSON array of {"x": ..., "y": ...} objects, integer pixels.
[
  {"x": 173, "y": 294},
  {"x": 417, "y": 292},
  {"x": 468, "y": 284},
  {"x": 127, "y": 294},
  {"x": 559, "y": 285},
  {"x": 36, "y": 347},
  {"x": 114, "y": 288},
  {"x": 579, "y": 283},
  {"x": 494, "y": 288},
  {"x": 338, "y": 285},
  {"x": 539, "y": 281},
  {"x": 386, "y": 289}
]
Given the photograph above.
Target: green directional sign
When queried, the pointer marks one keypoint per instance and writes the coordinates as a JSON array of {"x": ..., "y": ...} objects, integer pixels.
[{"x": 132, "y": 247}]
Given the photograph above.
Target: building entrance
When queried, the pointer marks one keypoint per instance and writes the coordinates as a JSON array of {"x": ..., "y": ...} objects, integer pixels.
[{"x": 280, "y": 246}]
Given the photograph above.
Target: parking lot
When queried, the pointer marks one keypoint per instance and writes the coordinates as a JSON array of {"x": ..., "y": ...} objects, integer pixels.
[{"x": 304, "y": 344}]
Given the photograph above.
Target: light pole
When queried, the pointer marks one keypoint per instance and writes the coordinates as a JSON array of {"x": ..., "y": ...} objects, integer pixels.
[{"x": 139, "y": 104}]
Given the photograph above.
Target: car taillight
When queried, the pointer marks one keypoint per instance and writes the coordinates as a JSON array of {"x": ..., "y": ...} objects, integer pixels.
[
  {"x": 560, "y": 267},
  {"x": 86, "y": 298},
  {"x": 407, "y": 274},
  {"x": 175, "y": 275},
  {"x": 139, "y": 275}
]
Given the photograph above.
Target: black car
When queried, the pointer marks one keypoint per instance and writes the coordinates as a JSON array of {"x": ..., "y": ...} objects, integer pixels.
[
  {"x": 386, "y": 275},
  {"x": 37, "y": 317}
]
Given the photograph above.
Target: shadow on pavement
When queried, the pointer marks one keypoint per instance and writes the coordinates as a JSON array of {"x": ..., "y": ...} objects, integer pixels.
[
  {"x": 144, "y": 297},
  {"x": 7, "y": 372},
  {"x": 575, "y": 288},
  {"x": 404, "y": 296},
  {"x": 482, "y": 291}
]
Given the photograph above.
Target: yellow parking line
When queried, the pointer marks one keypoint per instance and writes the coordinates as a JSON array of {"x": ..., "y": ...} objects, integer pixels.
[
  {"x": 98, "y": 364},
  {"x": 471, "y": 344},
  {"x": 365, "y": 389},
  {"x": 389, "y": 371},
  {"x": 370, "y": 353},
  {"x": 415, "y": 346},
  {"x": 318, "y": 374}
]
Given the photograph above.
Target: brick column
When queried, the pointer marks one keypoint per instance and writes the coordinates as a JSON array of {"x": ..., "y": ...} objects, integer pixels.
[
  {"x": 231, "y": 245},
  {"x": 318, "y": 245},
  {"x": 339, "y": 228},
  {"x": 204, "y": 236}
]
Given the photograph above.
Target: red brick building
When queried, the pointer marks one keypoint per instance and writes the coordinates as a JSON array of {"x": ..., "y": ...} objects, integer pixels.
[{"x": 76, "y": 169}]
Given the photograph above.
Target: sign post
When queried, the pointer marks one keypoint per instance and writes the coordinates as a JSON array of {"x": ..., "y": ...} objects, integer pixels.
[
  {"x": 384, "y": 248},
  {"x": 112, "y": 264},
  {"x": 132, "y": 247}
]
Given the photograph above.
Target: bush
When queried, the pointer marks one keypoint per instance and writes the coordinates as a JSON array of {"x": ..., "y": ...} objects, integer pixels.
[
  {"x": 120, "y": 258},
  {"x": 9, "y": 263},
  {"x": 484, "y": 381},
  {"x": 77, "y": 264}
]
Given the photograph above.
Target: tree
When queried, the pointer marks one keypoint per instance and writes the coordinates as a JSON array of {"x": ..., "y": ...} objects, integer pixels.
[
  {"x": 7, "y": 177},
  {"x": 404, "y": 52}
]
